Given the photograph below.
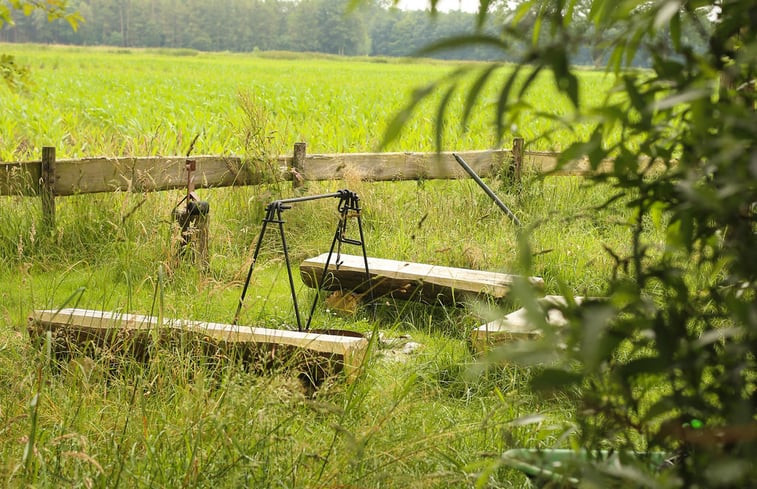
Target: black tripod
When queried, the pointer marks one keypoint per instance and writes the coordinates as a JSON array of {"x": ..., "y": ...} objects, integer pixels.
[{"x": 349, "y": 206}]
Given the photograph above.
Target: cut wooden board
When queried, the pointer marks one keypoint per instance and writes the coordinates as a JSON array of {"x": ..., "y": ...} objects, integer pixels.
[
  {"x": 406, "y": 280},
  {"x": 91, "y": 331},
  {"x": 516, "y": 326}
]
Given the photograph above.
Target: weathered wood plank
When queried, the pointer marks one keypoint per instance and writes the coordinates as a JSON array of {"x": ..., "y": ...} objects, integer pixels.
[
  {"x": 145, "y": 174},
  {"x": 93, "y": 175},
  {"x": 517, "y": 325},
  {"x": 114, "y": 329},
  {"x": 544, "y": 162},
  {"x": 400, "y": 166},
  {"x": 406, "y": 280}
]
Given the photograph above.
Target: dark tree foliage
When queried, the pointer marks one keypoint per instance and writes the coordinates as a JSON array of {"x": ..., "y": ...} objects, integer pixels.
[{"x": 667, "y": 362}]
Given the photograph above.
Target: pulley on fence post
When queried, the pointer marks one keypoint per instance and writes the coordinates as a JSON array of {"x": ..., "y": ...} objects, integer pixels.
[{"x": 193, "y": 219}]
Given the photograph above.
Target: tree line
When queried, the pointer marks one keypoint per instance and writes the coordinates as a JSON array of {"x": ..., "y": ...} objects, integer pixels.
[
  {"x": 372, "y": 28},
  {"x": 329, "y": 26}
]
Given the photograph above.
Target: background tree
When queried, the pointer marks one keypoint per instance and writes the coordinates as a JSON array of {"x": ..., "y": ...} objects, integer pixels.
[
  {"x": 12, "y": 72},
  {"x": 337, "y": 27},
  {"x": 675, "y": 340}
]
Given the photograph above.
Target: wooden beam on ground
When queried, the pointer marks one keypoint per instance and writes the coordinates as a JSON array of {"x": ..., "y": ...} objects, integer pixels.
[
  {"x": 518, "y": 326},
  {"x": 314, "y": 353},
  {"x": 406, "y": 280}
]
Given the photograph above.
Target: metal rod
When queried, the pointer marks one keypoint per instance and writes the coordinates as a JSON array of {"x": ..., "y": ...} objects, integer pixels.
[
  {"x": 486, "y": 189},
  {"x": 307, "y": 198}
]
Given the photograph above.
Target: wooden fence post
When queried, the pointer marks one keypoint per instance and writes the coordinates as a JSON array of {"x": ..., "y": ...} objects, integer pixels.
[
  {"x": 518, "y": 154},
  {"x": 47, "y": 188},
  {"x": 298, "y": 162}
]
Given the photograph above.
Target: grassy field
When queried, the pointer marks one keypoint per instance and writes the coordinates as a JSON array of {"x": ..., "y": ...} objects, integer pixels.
[
  {"x": 427, "y": 421},
  {"x": 99, "y": 101}
]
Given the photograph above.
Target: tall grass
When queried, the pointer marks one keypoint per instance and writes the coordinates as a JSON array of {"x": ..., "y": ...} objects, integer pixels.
[{"x": 424, "y": 421}]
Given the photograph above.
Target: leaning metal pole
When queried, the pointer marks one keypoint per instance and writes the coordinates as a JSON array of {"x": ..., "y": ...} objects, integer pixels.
[{"x": 486, "y": 189}]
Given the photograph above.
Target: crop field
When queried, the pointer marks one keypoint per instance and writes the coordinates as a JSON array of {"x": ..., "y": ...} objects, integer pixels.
[{"x": 437, "y": 417}]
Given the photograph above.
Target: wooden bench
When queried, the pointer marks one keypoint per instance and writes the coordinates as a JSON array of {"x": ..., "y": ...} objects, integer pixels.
[
  {"x": 406, "y": 280},
  {"x": 517, "y": 326},
  {"x": 91, "y": 331}
]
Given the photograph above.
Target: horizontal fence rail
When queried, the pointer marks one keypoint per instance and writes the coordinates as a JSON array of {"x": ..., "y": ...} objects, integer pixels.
[{"x": 146, "y": 174}]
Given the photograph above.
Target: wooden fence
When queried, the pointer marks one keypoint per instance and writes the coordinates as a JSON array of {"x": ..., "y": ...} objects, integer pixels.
[{"x": 50, "y": 178}]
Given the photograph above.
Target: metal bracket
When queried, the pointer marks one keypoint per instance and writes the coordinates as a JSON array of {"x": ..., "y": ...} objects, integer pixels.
[{"x": 194, "y": 207}]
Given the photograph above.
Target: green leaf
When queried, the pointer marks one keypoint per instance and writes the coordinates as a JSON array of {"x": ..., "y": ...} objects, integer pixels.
[
  {"x": 615, "y": 62},
  {"x": 475, "y": 90},
  {"x": 504, "y": 96},
  {"x": 568, "y": 17},
  {"x": 634, "y": 96},
  {"x": 461, "y": 42},
  {"x": 681, "y": 98},
  {"x": 400, "y": 119},
  {"x": 528, "y": 81},
  {"x": 595, "y": 321},
  {"x": 667, "y": 11},
  {"x": 663, "y": 406},
  {"x": 536, "y": 31},
  {"x": 483, "y": 7},
  {"x": 551, "y": 379},
  {"x": 632, "y": 46},
  {"x": 74, "y": 20},
  {"x": 441, "y": 111},
  {"x": 522, "y": 10},
  {"x": 5, "y": 15},
  {"x": 675, "y": 31},
  {"x": 640, "y": 366},
  {"x": 565, "y": 80},
  {"x": 656, "y": 212},
  {"x": 680, "y": 232},
  {"x": 592, "y": 149}
]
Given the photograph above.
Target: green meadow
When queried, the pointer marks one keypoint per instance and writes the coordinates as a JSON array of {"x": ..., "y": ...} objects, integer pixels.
[
  {"x": 103, "y": 101},
  {"x": 433, "y": 418}
]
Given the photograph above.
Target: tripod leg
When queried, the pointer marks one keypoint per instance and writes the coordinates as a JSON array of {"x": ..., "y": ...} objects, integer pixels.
[
  {"x": 365, "y": 261},
  {"x": 289, "y": 272},
  {"x": 266, "y": 220}
]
